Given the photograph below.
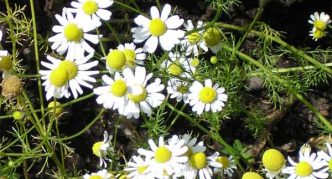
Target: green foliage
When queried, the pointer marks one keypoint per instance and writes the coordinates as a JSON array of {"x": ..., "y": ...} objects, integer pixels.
[{"x": 224, "y": 5}]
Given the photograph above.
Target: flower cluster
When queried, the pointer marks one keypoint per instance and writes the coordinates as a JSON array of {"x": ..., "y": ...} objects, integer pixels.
[{"x": 320, "y": 23}]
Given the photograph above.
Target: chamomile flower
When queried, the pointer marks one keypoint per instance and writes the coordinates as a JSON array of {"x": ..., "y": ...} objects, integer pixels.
[
  {"x": 93, "y": 10},
  {"x": 179, "y": 65},
  {"x": 166, "y": 158},
  {"x": 309, "y": 166},
  {"x": 198, "y": 166},
  {"x": 273, "y": 162},
  {"x": 251, "y": 175},
  {"x": 212, "y": 38},
  {"x": 222, "y": 164},
  {"x": 102, "y": 174},
  {"x": 113, "y": 94},
  {"x": 101, "y": 148},
  {"x": 55, "y": 79},
  {"x": 139, "y": 168},
  {"x": 320, "y": 21},
  {"x": 143, "y": 96},
  {"x": 207, "y": 97},
  {"x": 326, "y": 157},
  {"x": 159, "y": 29},
  {"x": 72, "y": 35},
  {"x": 178, "y": 89},
  {"x": 317, "y": 34},
  {"x": 134, "y": 56},
  {"x": 193, "y": 42}
]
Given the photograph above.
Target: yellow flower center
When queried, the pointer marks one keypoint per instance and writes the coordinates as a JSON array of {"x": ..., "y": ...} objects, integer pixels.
[
  {"x": 95, "y": 177},
  {"x": 58, "y": 77},
  {"x": 194, "y": 38},
  {"x": 90, "y": 7},
  {"x": 17, "y": 115},
  {"x": 224, "y": 161},
  {"x": 137, "y": 93},
  {"x": 182, "y": 89},
  {"x": 198, "y": 160},
  {"x": 96, "y": 148},
  {"x": 73, "y": 33},
  {"x": 130, "y": 57},
  {"x": 207, "y": 95},
  {"x": 318, "y": 34},
  {"x": 330, "y": 164},
  {"x": 213, "y": 60},
  {"x": 119, "y": 88},
  {"x": 175, "y": 69},
  {"x": 212, "y": 36},
  {"x": 116, "y": 59},
  {"x": 251, "y": 175},
  {"x": 162, "y": 155},
  {"x": 194, "y": 62},
  {"x": 157, "y": 27},
  {"x": 70, "y": 67},
  {"x": 57, "y": 110},
  {"x": 320, "y": 25},
  {"x": 273, "y": 160},
  {"x": 142, "y": 168},
  {"x": 303, "y": 169},
  {"x": 5, "y": 63}
]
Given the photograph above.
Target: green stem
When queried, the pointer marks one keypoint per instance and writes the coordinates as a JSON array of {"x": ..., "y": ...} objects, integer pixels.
[
  {"x": 130, "y": 8},
  {"x": 35, "y": 41},
  {"x": 11, "y": 29},
  {"x": 285, "y": 84}
]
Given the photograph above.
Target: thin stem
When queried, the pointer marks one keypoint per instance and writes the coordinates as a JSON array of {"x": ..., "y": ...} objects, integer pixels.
[
  {"x": 130, "y": 8},
  {"x": 35, "y": 41}
]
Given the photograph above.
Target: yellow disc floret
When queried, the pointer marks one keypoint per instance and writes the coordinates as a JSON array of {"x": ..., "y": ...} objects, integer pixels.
[
  {"x": 251, "y": 175},
  {"x": 318, "y": 34},
  {"x": 70, "y": 67},
  {"x": 90, "y": 7},
  {"x": 194, "y": 62},
  {"x": 162, "y": 154},
  {"x": 224, "y": 161},
  {"x": 212, "y": 36},
  {"x": 142, "y": 168},
  {"x": 194, "y": 38},
  {"x": 130, "y": 57},
  {"x": 303, "y": 169},
  {"x": 73, "y": 33},
  {"x": 273, "y": 160},
  {"x": 157, "y": 27},
  {"x": 116, "y": 59},
  {"x": 138, "y": 93},
  {"x": 5, "y": 63},
  {"x": 320, "y": 25},
  {"x": 175, "y": 69},
  {"x": 95, "y": 177},
  {"x": 58, "y": 77},
  {"x": 96, "y": 148},
  {"x": 57, "y": 110},
  {"x": 330, "y": 164},
  {"x": 119, "y": 88},
  {"x": 207, "y": 95},
  {"x": 198, "y": 160}
]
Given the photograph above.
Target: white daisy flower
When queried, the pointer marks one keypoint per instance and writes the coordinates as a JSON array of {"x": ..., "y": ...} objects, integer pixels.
[
  {"x": 113, "y": 94},
  {"x": 100, "y": 149},
  {"x": 317, "y": 34},
  {"x": 134, "y": 56},
  {"x": 309, "y": 166},
  {"x": 212, "y": 38},
  {"x": 159, "y": 29},
  {"x": 326, "y": 157},
  {"x": 72, "y": 35},
  {"x": 93, "y": 10},
  {"x": 207, "y": 97},
  {"x": 101, "y": 174},
  {"x": 55, "y": 79},
  {"x": 139, "y": 168},
  {"x": 222, "y": 164},
  {"x": 198, "y": 166},
  {"x": 166, "y": 158},
  {"x": 77, "y": 72},
  {"x": 179, "y": 65},
  {"x": 193, "y": 42},
  {"x": 273, "y": 162},
  {"x": 178, "y": 89},
  {"x": 320, "y": 21},
  {"x": 142, "y": 96}
]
